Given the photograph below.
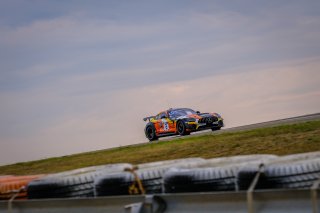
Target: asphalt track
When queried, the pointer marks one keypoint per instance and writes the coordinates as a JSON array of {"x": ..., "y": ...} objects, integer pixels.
[{"x": 292, "y": 120}]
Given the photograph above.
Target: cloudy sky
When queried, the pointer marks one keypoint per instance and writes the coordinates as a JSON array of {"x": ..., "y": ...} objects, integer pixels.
[{"x": 78, "y": 76}]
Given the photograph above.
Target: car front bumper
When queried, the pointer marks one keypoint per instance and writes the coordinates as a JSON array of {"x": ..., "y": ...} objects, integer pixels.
[{"x": 195, "y": 126}]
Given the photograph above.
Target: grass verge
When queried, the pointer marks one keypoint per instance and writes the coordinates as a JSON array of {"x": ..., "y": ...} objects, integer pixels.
[{"x": 280, "y": 140}]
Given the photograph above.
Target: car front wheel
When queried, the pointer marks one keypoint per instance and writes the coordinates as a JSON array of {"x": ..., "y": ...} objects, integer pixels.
[{"x": 181, "y": 128}]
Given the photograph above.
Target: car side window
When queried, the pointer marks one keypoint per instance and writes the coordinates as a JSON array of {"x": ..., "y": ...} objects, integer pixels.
[
  {"x": 158, "y": 116},
  {"x": 163, "y": 115}
]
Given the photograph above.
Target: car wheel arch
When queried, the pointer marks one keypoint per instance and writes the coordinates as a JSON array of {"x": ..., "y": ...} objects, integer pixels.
[
  {"x": 184, "y": 132},
  {"x": 151, "y": 125}
]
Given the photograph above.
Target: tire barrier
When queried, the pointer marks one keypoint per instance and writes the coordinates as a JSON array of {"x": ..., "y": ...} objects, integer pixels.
[
  {"x": 127, "y": 183},
  {"x": 75, "y": 183},
  {"x": 150, "y": 176},
  {"x": 200, "y": 180},
  {"x": 217, "y": 174},
  {"x": 15, "y": 186},
  {"x": 301, "y": 174},
  {"x": 291, "y": 171},
  {"x": 288, "y": 175},
  {"x": 298, "y": 171}
]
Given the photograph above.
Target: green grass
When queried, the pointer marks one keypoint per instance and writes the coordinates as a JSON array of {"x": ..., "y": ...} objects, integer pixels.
[{"x": 280, "y": 140}]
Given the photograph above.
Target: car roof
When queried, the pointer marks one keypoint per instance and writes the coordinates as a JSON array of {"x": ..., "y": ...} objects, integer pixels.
[{"x": 171, "y": 109}]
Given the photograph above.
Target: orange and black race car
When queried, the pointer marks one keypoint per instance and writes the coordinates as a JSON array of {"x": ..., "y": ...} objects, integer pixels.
[{"x": 180, "y": 121}]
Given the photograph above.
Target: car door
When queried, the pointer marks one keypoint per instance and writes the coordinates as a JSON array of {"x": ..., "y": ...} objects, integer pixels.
[
  {"x": 168, "y": 124},
  {"x": 171, "y": 124},
  {"x": 163, "y": 124}
]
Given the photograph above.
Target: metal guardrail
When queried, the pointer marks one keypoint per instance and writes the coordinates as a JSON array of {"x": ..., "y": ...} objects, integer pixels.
[{"x": 266, "y": 201}]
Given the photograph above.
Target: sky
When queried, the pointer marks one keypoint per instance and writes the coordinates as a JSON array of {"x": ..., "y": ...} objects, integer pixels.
[{"x": 79, "y": 75}]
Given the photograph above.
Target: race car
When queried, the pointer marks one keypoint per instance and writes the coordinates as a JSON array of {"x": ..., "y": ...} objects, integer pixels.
[{"x": 180, "y": 121}]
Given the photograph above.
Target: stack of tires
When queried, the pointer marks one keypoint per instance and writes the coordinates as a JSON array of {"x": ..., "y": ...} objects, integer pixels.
[
  {"x": 181, "y": 176},
  {"x": 218, "y": 174},
  {"x": 147, "y": 178},
  {"x": 75, "y": 183},
  {"x": 15, "y": 186},
  {"x": 296, "y": 171}
]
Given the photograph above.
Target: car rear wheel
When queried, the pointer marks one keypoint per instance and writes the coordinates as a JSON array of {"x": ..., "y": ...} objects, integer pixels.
[{"x": 151, "y": 133}]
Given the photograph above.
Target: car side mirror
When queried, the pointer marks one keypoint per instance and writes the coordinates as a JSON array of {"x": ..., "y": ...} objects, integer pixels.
[{"x": 198, "y": 112}]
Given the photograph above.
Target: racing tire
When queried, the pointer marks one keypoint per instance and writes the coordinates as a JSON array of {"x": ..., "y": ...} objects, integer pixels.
[
  {"x": 245, "y": 177},
  {"x": 200, "y": 180},
  {"x": 75, "y": 183},
  {"x": 294, "y": 175},
  {"x": 216, "y": 174},
  {"x": 75, "y": 187},
  {"x": 150, "y": 175},
  {"x": 119, "y": 184},
  {"x": 181, "y": 128},
  {"x": 15, "y": 186},
  {"x": 151, "y": 132}
]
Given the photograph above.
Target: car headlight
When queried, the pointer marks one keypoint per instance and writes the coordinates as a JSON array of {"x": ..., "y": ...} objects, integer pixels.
[{"x": 219, "y": 116}]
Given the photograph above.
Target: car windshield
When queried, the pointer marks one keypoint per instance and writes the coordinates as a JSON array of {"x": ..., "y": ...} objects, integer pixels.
[{"x": 175, "y": 113}]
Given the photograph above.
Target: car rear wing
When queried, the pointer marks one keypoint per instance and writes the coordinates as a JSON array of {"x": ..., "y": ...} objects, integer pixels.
[{"x": 148, "y": 118}]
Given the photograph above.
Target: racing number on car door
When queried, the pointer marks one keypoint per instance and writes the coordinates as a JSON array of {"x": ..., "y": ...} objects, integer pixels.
[
  {"x": 165, "y": 125},
  {"x": 171, "y": 126},
  {"x": 164, "y": 122}
]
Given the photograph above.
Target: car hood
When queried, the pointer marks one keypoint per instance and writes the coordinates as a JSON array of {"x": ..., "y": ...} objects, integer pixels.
[
  {"x": 190, "y": 116},
  {"x": 198, "y": 116}
]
